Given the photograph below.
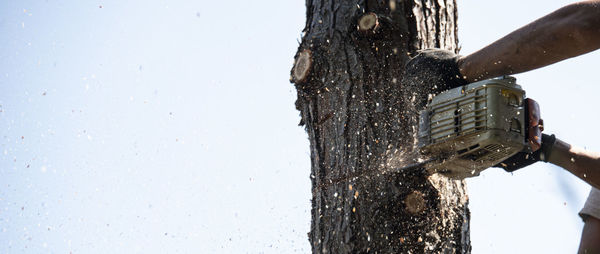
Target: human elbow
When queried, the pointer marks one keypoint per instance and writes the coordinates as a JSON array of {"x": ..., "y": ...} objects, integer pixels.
[{"x": 580, "y": 22}]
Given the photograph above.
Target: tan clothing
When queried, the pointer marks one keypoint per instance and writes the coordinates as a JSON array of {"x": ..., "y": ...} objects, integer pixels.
[{"x": 592, "y": 205}]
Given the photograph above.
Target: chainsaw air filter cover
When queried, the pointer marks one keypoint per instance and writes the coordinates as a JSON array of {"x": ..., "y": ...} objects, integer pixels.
[{"x": 474, "y": 127}]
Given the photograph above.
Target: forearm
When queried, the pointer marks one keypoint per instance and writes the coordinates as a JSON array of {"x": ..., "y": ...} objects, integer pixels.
[
  {"x": 570, "y": 31},
  {"x": 581, "y": 163}
]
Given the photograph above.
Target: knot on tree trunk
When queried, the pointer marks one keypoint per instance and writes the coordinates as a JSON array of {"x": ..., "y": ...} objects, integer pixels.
[
  {"x": 368, "y": 24},
  {"x": 302, "y": 67}
]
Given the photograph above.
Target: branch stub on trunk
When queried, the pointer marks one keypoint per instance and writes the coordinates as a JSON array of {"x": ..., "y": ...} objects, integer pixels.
[
  {"x": 302, "y": 66},
  {"x": 368, "y": 23},
  {"x": 415, "y": 203}
]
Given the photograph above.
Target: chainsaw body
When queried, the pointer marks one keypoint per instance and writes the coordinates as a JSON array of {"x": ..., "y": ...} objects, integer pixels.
[{"x": 477, "y": 126}]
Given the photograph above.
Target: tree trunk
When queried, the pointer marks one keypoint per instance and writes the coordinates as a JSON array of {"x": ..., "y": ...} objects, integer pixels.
[{"x": 348, "y": 73}]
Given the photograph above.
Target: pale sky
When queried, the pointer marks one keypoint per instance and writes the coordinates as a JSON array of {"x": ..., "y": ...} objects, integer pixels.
[{"x": 170, "y": 127}]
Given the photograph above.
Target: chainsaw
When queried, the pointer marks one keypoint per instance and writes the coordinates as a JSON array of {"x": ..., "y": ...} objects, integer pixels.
[{"x": 467, "y": 129}]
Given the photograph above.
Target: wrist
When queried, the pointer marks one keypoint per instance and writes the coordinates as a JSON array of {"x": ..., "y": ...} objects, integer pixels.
[
  {"x": 462, "y": 67},
  {"x": 457, "y": 78}
]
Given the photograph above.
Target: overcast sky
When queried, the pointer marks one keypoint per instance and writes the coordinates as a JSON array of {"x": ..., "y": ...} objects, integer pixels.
[{"x": 170, "y": 127}]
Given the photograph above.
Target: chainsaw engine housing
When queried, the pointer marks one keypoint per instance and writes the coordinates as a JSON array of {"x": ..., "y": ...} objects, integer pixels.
[{"x": 474, "y": 127}]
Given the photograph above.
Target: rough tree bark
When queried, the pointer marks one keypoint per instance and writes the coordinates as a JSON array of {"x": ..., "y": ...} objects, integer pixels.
[{"x": 348, "y": 73}]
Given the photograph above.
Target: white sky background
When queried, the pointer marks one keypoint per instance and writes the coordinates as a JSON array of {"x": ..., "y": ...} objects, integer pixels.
[{"x": 170, "y": 127}]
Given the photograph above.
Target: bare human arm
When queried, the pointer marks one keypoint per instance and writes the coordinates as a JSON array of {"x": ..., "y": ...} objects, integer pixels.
[
  {"x": 580, "y": 162},
  {"x": 568, "y": 32},
  {"x": 585, "y": 165}
]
